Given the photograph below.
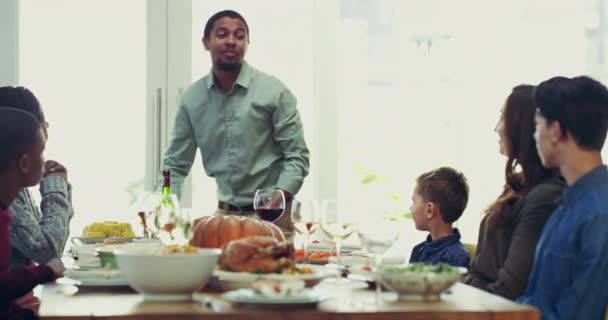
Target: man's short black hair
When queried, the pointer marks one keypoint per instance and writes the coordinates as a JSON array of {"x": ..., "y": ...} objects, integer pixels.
[
  {"x": 224, "y": 13},
  {"x": 18, "y": 130},
  {"x": 579, "y": 105}
]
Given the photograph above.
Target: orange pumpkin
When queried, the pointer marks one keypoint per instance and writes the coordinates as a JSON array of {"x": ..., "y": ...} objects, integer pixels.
[{"x": 215, "y": 231}]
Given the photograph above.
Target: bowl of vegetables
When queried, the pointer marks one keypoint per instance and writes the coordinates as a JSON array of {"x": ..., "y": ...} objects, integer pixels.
[{"x": 420, "y": 279}]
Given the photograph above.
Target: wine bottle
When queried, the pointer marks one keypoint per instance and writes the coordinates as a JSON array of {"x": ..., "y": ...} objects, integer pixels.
[
  {"x": 166, "y": 191},
  {"x": 169, "y": 219}
]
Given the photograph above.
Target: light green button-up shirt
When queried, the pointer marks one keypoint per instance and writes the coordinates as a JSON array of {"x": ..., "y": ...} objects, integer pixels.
[{"x": 249, "y": 138}]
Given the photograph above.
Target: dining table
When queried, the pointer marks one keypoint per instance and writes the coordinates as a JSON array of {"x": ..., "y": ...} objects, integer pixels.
[{"x": 64, "y": 301}]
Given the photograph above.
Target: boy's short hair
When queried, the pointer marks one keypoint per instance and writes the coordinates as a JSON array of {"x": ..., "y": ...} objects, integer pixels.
[
  {"x": 18, "y": 131},
  {"x": 446, "y": 187},
  {"x": 579, "y": 105}
]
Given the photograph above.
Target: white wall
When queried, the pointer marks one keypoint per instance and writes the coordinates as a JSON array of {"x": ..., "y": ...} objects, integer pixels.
[{"x": 9, "y": 54}]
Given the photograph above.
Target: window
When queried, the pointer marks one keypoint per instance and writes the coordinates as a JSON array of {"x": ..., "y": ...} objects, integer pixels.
[
  {"x": 408, "y": 86},
  {"x": 387, "y": 89},
  {"x": 421, "y": 83},
  {"x": 89, "y": 71}
]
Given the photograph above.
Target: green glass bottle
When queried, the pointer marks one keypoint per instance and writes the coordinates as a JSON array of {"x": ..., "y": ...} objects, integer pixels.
[
  {"x": 166, "y": 191},
  {"x": 169, "y": 222}
]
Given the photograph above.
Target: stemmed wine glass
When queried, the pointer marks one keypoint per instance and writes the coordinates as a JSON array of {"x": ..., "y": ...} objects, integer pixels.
[
  {"x": 336, "y": 225},
  {"x": 269, "y": 204},
  {"x": 305, "y": 218},
  {"x": 163, "y": 219},
  {"x": 377, "y": 236},
  {"x": 148, "y": 210}
]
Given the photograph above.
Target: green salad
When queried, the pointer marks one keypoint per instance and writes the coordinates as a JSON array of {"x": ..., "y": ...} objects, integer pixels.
[{"x": 422, "y": 268}]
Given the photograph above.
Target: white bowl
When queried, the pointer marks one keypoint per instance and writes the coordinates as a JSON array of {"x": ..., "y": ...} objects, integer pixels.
[
  {"x": 161, "y": 276},
  {"x": 427, "y": 284}
]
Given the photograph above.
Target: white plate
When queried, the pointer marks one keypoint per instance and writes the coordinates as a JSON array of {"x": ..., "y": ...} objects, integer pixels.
[
  {"x": 92, "y": 240},
  {"x": 308, "y": 296},
  {"x": 112, "y": 282},
  {"x": 236, "y": 280},
  {"x": 247, "y": 276},
  {"x": 93, "y": 278},
  {"x": 166, "y": 297}
]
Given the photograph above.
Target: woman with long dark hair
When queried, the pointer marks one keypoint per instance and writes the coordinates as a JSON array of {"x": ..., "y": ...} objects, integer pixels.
[{"x": 513, "y": 223}]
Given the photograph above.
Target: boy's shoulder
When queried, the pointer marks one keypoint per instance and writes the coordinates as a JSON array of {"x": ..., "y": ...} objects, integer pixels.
[
  {"x": 456, "y": 254},
  {"x": 426, "y": 240}
]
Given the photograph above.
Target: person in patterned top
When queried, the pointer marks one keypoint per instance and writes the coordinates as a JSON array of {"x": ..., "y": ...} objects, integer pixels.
[
  {"x": 439, "y": 199},
  {"x": 38, "y": 233}
]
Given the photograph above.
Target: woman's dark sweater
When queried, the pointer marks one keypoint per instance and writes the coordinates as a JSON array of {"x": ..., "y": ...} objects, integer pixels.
[{"x": 505, "y": 252}]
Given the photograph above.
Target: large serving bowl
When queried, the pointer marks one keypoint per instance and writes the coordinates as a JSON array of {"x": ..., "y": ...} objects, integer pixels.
[
  {"x": 161, "y": 276},
  {"x": 105, "y": 253},
  {"x": 420, "y": 280}
]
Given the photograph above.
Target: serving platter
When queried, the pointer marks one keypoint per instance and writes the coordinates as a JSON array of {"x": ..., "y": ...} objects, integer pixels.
[{"x": 237, "y": 280}]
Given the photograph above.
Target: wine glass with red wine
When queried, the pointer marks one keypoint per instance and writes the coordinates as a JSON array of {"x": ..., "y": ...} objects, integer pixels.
[{"x": 269, "y": 204}]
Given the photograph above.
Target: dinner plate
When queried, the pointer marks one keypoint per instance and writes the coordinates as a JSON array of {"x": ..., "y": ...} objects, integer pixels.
[
  {"x": 314, "y": 256},
  {"x": 101, "y": 282},
  {"x": 250, "y": 296},
  {"x": 93, "y": 278},
  {"x": 315, "y": 261},
  {"x": 237, "y": 280},
  {"x": 92, "y": 240}
]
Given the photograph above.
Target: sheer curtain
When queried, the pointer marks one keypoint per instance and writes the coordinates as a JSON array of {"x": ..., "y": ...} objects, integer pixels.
[
  {"x": 421, "y": 83},
  {"x": 418, "y": 84}
]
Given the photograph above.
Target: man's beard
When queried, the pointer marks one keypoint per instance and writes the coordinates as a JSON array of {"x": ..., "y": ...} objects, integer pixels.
[{"x": 229, "y": 66}]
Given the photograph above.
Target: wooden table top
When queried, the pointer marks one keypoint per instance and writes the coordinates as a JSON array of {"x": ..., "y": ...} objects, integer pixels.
[{"x": 61, "y": 301}]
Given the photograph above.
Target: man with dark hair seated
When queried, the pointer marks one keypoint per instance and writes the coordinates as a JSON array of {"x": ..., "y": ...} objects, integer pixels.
[{"x": 568, "y": 279}]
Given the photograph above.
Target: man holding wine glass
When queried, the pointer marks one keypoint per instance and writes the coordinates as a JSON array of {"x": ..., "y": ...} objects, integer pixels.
[{"x": 245, "y": 124}]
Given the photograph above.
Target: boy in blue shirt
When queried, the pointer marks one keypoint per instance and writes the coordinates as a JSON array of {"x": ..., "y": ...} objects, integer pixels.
[
  {"x": 439, "y": 199},
  {"x": 568, "y": 279}
]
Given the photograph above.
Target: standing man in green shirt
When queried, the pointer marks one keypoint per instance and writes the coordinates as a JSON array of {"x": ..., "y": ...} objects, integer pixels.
[{"x": 243, "y": 121}]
